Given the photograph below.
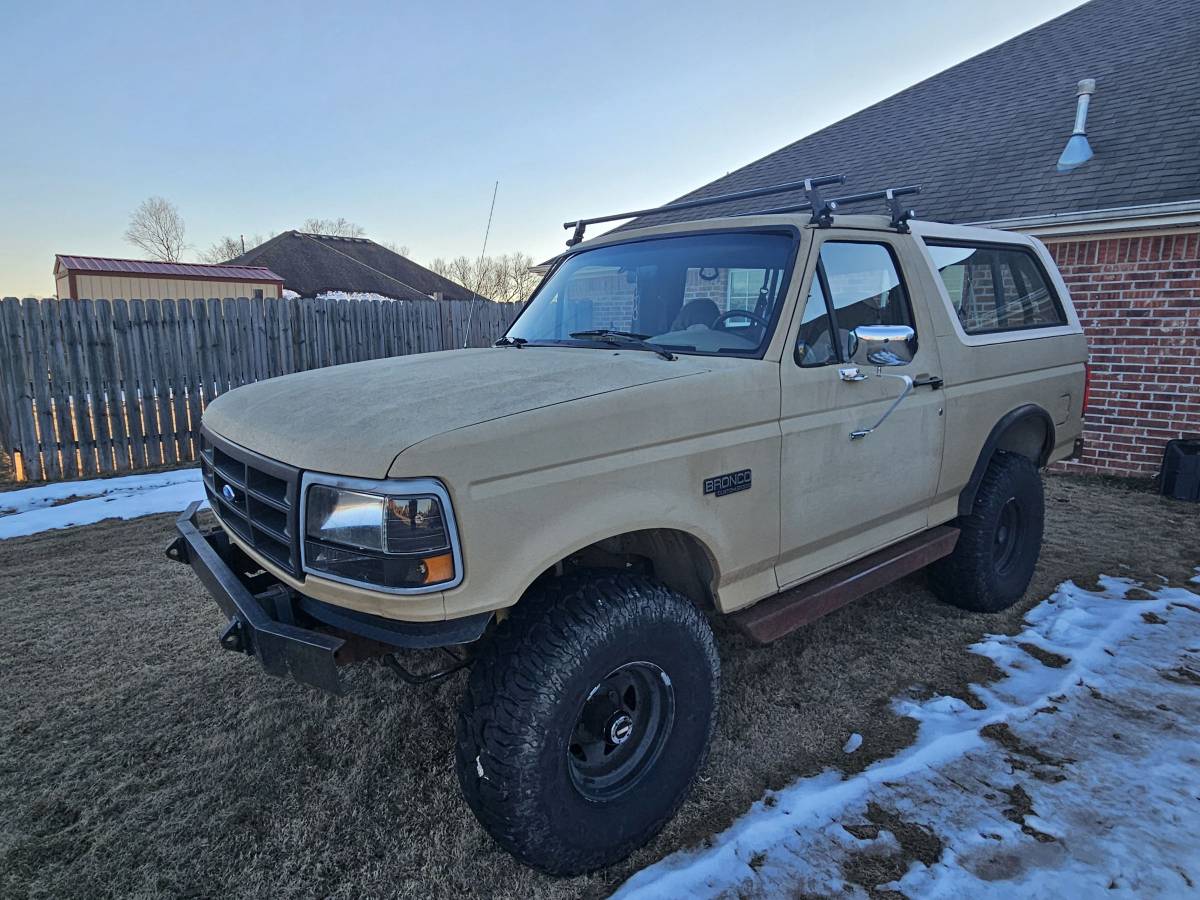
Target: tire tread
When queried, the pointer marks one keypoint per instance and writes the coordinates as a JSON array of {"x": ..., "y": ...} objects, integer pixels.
[{"x": 513, "y": 682}]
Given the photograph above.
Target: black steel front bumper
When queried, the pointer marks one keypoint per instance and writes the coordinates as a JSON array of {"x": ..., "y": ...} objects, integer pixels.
[{"x": 291, "y": 634}]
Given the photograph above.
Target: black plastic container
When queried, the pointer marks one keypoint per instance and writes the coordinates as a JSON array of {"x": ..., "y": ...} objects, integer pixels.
[{"x": 1181, "y": 469}]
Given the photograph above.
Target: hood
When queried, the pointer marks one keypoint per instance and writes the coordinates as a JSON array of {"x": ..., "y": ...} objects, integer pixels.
[{"x": 355, "y": 419}]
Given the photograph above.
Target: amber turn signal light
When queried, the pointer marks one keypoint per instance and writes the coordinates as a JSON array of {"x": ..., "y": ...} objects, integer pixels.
[{"x": 438, "y": 568}]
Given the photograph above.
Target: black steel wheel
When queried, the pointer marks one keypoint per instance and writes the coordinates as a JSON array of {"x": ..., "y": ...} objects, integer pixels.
[
  {"x": 998, "y": 543},
  {"x": 1008, "y": 536},
  {"x": 621, "y": 729},
  {"x": 586, "y": 719}
]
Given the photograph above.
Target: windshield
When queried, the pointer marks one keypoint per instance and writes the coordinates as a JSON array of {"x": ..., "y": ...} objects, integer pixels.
[{"x": 701, "y": 293}]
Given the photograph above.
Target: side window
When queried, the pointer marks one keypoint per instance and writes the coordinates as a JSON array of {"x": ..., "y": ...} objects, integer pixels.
[
  {"x": 814, "y": 344},
  {"x": 863, "y": 287},
  {"x": 996, "y": 288}
]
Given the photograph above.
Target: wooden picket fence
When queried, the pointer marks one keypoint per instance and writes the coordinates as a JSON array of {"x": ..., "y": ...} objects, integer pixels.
[{"x": 96, "y": 387}]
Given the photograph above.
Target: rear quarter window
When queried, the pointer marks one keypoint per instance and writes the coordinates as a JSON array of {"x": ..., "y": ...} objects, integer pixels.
[{"x": 996, "y": 288}]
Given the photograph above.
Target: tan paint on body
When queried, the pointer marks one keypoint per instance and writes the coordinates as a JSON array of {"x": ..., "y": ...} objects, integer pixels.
[{"x": 547, "y": 450}]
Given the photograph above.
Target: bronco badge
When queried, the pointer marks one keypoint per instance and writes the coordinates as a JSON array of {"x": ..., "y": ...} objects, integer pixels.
[{"x": 720, "y": 485}]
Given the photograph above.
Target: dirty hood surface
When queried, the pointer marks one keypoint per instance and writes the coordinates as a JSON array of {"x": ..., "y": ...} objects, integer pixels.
[{"x": 355, "y": 419}]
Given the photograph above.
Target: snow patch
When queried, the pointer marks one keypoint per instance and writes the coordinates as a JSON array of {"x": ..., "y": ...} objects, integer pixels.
[
  {"x": 853, "y": 744},
  {"x": 52, "y": 506},
  {"x": 1077, "y": 776},
  {"x": 354, "y": 295}
]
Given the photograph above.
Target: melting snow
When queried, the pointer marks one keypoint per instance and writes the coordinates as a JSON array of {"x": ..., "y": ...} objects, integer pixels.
[
  {"x": 353, "y": 295},
  {"x": 853, "y": 744},
  {"x": 1085, "y": 780},
  {"x": 51, "y": 506}
]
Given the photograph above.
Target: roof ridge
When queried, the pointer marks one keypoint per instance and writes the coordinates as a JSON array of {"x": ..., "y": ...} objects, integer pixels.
[{"x": 338, "y": 237}]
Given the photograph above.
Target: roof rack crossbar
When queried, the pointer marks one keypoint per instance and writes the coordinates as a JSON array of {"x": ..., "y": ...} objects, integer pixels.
[
  {"x": 900, "y": 214},
  {"x": 777, "y": 210},
  {"x": 806, "y": 184},
  {"x": 823, "y": 215}
]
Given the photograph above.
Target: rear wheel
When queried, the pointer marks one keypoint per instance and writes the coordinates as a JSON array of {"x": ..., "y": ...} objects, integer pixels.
[
  {"x": 586, "y": 719},
  {"x": 999, "y": 542}
]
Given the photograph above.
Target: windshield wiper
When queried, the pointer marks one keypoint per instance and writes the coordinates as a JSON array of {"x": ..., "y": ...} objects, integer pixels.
[
  {"x": 623, "y": 339},
  {"x": 510, "y": 342}
]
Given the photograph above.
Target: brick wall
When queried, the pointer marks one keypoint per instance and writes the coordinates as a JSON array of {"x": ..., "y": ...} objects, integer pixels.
[{"x": 1139, "y": 301}]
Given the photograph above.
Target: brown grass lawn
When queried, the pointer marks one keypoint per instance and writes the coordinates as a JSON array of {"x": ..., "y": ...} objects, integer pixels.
[{"x": 137, "y": 758}]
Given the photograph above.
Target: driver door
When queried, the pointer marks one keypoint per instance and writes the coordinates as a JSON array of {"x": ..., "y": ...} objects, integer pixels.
[{"x": 840, "y": 498}]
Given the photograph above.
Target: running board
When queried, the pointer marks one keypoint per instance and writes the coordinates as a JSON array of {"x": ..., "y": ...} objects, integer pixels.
[{"x": 771, "y": 619}]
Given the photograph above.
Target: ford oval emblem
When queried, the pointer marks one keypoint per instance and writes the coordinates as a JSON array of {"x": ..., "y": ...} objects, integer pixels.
[{"x": 229, "y": 493}]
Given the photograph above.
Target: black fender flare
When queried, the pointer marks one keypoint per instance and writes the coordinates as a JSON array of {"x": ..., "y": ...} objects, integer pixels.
[{"x": 1011, "y": 420}]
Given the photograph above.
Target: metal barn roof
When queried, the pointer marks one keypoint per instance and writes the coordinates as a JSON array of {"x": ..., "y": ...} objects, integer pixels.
[{"x": 141, "y": 268}]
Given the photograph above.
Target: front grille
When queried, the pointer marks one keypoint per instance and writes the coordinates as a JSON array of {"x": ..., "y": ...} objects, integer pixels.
[{"x": 255, "y": 498}]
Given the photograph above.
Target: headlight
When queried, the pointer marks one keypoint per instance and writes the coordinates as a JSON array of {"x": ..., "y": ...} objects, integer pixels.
[{"x": 397, "y": 536}]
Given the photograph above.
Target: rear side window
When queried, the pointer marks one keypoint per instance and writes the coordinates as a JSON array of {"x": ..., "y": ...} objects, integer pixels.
[
  {"x": 996, "y": 288},
  {"x": 855, "y": 284}
]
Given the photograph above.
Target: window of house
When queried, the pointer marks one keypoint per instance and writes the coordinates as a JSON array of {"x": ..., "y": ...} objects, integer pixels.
[
  {"x": 258, "y": 294},
  {"x": 745, "y": 288},
  {"x": 996, "y": 288},
  {"x": 855, "y": 284}
]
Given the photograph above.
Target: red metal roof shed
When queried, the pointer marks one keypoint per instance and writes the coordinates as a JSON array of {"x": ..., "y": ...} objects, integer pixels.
[{"x": 69, "y": 268}]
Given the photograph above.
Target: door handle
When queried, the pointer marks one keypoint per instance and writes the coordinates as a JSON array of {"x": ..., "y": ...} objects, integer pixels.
[{"x": 933, "y": 381}]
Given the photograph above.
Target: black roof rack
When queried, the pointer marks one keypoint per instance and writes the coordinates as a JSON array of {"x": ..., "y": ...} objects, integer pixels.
[
  {"x": 805, "y": 184},
  {"x": 823, "y": 209}
]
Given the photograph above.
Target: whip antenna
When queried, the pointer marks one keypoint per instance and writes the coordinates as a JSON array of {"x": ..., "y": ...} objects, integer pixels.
[{"x": 479, "y": 266}]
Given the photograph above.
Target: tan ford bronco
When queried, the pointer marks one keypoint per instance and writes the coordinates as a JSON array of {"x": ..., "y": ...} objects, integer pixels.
[{"x": 761, "y": 416}]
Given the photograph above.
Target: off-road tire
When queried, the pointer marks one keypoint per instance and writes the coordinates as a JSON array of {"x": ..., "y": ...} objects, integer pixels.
[
  {"x": 525, "y": 700},
  {"x": 990, "y": 567}
]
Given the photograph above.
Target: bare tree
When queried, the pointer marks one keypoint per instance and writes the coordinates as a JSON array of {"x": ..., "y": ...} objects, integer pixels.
[
  {"x": 476, "y": 275},
  {"x": 402, "y": 249},
  {"x": 157, "y": 227},
  {"x": 519, "y": 279},
  {"x": 225, "y": 249},
  {"x": 228, "y": 247},
  {"x": 338, "y": 227},
  {"x": 505, "y": 278}
]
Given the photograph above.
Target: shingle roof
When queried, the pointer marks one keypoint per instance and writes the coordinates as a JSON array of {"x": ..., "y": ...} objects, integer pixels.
[
  {"x": 983, "y": 137},
  {"x": 313, "y": 263},
  {"x": 143, "y": 267}
]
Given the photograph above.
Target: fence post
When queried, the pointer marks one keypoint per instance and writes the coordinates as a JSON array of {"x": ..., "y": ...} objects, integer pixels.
[
  {"x": 21, "y": 393},
  {"x": 76, "y": 358},
  {"x": 41, "y": 388},
  {"x": 112, "y": 382},
  {"x": 8, "y": 412},
  {"x": 135, "y": 417},
  {"x": 60, "y": 392}
]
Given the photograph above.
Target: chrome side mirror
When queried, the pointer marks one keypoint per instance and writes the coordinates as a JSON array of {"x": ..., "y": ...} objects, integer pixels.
[{"x": 882, "y": 345}]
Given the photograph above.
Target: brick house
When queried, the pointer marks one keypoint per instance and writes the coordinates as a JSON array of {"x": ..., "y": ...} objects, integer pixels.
[{"x": 983, "y": 139}]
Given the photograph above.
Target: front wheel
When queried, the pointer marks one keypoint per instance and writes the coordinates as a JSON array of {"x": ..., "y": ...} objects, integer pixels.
[
  {"x": 998, "y": 543},
  {"x": 586, "y": 719}
]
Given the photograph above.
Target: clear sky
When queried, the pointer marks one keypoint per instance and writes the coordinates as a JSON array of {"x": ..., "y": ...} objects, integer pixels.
[{"x": 253, "y": 116}]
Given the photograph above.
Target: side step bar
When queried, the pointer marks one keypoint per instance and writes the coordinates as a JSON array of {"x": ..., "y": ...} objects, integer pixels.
[{"x": 771, "y": 619}]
